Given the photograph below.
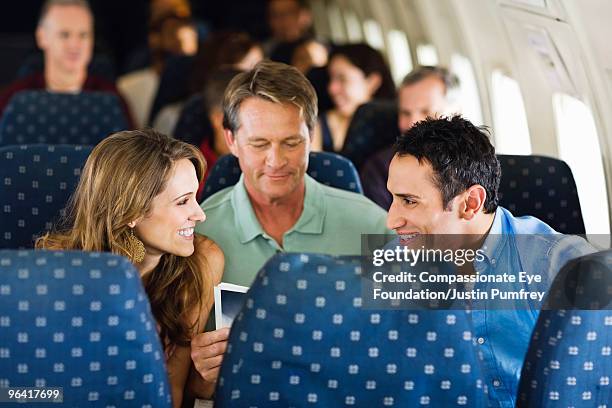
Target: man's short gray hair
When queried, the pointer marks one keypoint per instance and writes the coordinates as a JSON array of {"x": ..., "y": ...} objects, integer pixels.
[
  {"x": 450, "y": 80},
  {"x": 274, "y": 82}
]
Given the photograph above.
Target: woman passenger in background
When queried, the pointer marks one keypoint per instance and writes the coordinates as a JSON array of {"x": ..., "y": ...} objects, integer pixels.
[
  {"x": 137, "y": 198},
  {"x": 224, "y": 49},
  {"x": 357, "y": 74}
]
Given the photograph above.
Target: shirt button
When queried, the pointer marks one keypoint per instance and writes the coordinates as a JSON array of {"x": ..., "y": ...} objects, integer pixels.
[
  {"x": 496, "y": 383},
  {"x": 493, "y": 261},
  {"x": 480, "y": 340}
]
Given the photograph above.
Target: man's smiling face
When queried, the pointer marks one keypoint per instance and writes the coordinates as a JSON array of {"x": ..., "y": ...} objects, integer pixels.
[{"x": 417, "y": 207}]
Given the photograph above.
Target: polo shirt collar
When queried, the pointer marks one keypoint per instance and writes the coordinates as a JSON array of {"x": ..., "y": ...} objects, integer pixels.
[
  {"x": 246, "y": 222},
  {"x": 310, "y": 222},
  {"x": 313, "y": 215}
]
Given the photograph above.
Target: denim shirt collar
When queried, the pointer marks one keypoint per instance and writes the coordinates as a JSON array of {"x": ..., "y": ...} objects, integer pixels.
[{"x": 496, "y": 239}]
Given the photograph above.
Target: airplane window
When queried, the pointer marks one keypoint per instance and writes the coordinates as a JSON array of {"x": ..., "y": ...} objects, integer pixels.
[
  {"x": 467, "y": 96},
  {"x": 335, "y": 23},
  {"x": 427, "y": 54},
  {"x": 399, "y": 58},
  {"x": 509, "y": 117},
  {"x": 373, "y": 34},
  {"x": 579, "y": 147},
  {"x": 353, "y": 28}
]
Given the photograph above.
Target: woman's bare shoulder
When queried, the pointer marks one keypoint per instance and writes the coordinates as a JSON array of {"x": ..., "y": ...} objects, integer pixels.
[{"x": 211, "y": 255}]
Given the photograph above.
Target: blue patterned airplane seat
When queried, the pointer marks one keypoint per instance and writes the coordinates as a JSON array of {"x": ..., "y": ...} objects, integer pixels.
[
  {"x": 542, "y": 187},
  {"x": 59, "y": 118},
  {"x": 80, "y": 321},
  {"x": 303, "y": 338},
  {"x": 373, "y": 127},
  {"x": 36, "y": 182},
  {"x": 327, "y": 168},
  {"x": 569, "y": 361}
]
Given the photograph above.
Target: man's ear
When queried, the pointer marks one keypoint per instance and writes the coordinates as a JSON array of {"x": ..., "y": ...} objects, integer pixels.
[
  {"x": 473, "y": 201},
  {"x": 41, "y": 38},
  {"x": 374, "y": 81},
  {"x": 230, "y": 140}
]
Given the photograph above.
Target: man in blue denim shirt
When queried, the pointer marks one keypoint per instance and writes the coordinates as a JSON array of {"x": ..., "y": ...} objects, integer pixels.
[{"x": 444, "y": 179}]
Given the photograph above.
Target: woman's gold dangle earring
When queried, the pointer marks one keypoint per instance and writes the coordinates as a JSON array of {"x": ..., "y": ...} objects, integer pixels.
[{"x": 136, "y": 247}]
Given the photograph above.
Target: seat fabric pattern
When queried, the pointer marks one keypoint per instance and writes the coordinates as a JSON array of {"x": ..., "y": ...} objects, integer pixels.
[
  {"x": 57, "y": 118},
  {"x": 36, "y": 182},
  {"x": 303, "y": 338},
  {"x": 542, "y": 187},
  {"x": 80, "y": 321},
  {"x": 328, "y": 168},
  {"x": 569, "y": 361}
]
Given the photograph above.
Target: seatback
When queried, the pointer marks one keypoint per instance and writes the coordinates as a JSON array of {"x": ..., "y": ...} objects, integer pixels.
[
  {"x": 373, "y": 127},
  {"x": 542, "y": 187},
  {"x": 57, "y": 118},
  {"x": 80, "y": 321},
  {"x": 173, "y": 83},
  {"x": 193, "y": 124},
  {"x": 304, "y": 338},
  {"x": 36, "y": 182},
  {"x": 319, "y": 79},
  {"x": 569, "y": 361},
  {"x": 327, "y": 168}
]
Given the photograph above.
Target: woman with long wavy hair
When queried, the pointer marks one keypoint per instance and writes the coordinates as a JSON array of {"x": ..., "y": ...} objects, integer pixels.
[{"x": 137, "y": 198}]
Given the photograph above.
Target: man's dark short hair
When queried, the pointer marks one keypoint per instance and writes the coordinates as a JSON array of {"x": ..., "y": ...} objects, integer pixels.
[
  {"x": 460, "y": 154},
  {"x": 450, "y": 80}
]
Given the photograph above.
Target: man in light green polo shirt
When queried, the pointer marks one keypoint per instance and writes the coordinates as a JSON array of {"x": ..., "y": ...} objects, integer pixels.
[
  {"x": 331, "y": 222},
  {"x": 270, "y": 114}
]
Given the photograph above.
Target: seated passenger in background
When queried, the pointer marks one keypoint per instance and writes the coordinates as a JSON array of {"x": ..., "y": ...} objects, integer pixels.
[
  {"x": 357, "y": 74},
  {"x": 290, "y": 23},
  {"x": 270, "y": 113},
  {"x": 214, "y": 145},
  {"x": 137, "y": 198},
  {"x": 424, "y": 92},
  {"x": 310, "y": 54},
  {"x": 444, "y": 178},
  {"x": 223, "y": 49},
  {"x": 65, "y": 35},
  {"x": 169, "y": 35}
]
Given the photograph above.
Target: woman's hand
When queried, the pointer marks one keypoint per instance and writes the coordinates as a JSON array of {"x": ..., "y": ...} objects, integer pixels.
[{"x": 207, "y": 353}]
